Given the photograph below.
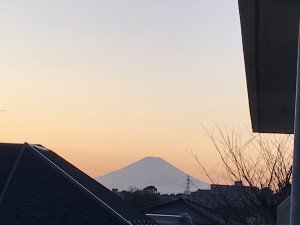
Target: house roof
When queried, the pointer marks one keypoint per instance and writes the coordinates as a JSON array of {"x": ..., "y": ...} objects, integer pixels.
[
  {"x": 199, "y": 214},
  {"x": 39, "y": 187},
  {"x": 270, "y": 40},
  {"x": 170, "y": 219}
]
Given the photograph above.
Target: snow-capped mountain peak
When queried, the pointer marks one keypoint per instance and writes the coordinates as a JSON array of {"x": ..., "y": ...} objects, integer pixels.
[{"x": 151, "y": 171}]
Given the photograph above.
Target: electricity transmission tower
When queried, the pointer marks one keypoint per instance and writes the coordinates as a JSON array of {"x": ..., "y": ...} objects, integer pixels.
[{"x": 187, "y": 190}]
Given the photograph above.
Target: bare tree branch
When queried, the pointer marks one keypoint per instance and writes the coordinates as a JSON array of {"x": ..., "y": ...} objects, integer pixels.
[{"x": 260, "y": 161}]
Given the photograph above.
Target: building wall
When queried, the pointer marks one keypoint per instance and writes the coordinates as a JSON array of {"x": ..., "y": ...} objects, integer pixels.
[{"x": 283, "y": 212}]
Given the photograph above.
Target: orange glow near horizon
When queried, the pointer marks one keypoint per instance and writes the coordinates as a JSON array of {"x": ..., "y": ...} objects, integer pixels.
[{"x": 105, "y": 84}]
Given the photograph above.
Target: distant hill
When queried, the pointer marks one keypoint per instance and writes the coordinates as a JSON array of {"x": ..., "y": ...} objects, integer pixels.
[{"x": 151, "y": 171}]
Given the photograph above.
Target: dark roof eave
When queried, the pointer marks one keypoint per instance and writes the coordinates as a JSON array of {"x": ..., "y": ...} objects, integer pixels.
[{"x": 270, "y": 39}]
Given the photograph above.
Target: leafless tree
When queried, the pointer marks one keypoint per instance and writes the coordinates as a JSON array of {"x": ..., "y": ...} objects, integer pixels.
[{"x": 261, "y": 162}]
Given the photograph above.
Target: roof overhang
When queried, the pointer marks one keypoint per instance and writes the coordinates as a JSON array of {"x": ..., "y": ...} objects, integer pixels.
[{"x": 270, "y": 40}]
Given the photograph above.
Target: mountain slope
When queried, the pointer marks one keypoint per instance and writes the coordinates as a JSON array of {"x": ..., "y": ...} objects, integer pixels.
[{"x": 150, "y": 171}]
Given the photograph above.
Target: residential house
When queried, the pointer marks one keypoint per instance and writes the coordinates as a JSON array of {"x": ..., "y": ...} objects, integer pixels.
[
  {"x": 39, "y": 187},
  {"x": 191, "y": 211}
]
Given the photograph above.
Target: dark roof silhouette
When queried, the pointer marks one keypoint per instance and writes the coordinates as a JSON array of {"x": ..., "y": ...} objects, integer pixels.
[
  {"x": 199, "y": 214},
  {"x": 270, "y": 40},
  {"x": 38, "y": 187}
]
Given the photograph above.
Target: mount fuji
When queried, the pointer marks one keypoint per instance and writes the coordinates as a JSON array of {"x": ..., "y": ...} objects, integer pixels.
[{"x": 153, "y": 171}]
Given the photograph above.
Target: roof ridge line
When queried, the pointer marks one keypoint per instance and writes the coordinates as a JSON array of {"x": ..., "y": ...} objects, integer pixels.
[
  {"x": 12, "y": 173},
  {"x": 80, "y": 185}
]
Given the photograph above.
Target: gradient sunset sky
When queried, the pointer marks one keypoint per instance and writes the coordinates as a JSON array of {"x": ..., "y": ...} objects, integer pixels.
[{"x": 106, "y": 82}]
